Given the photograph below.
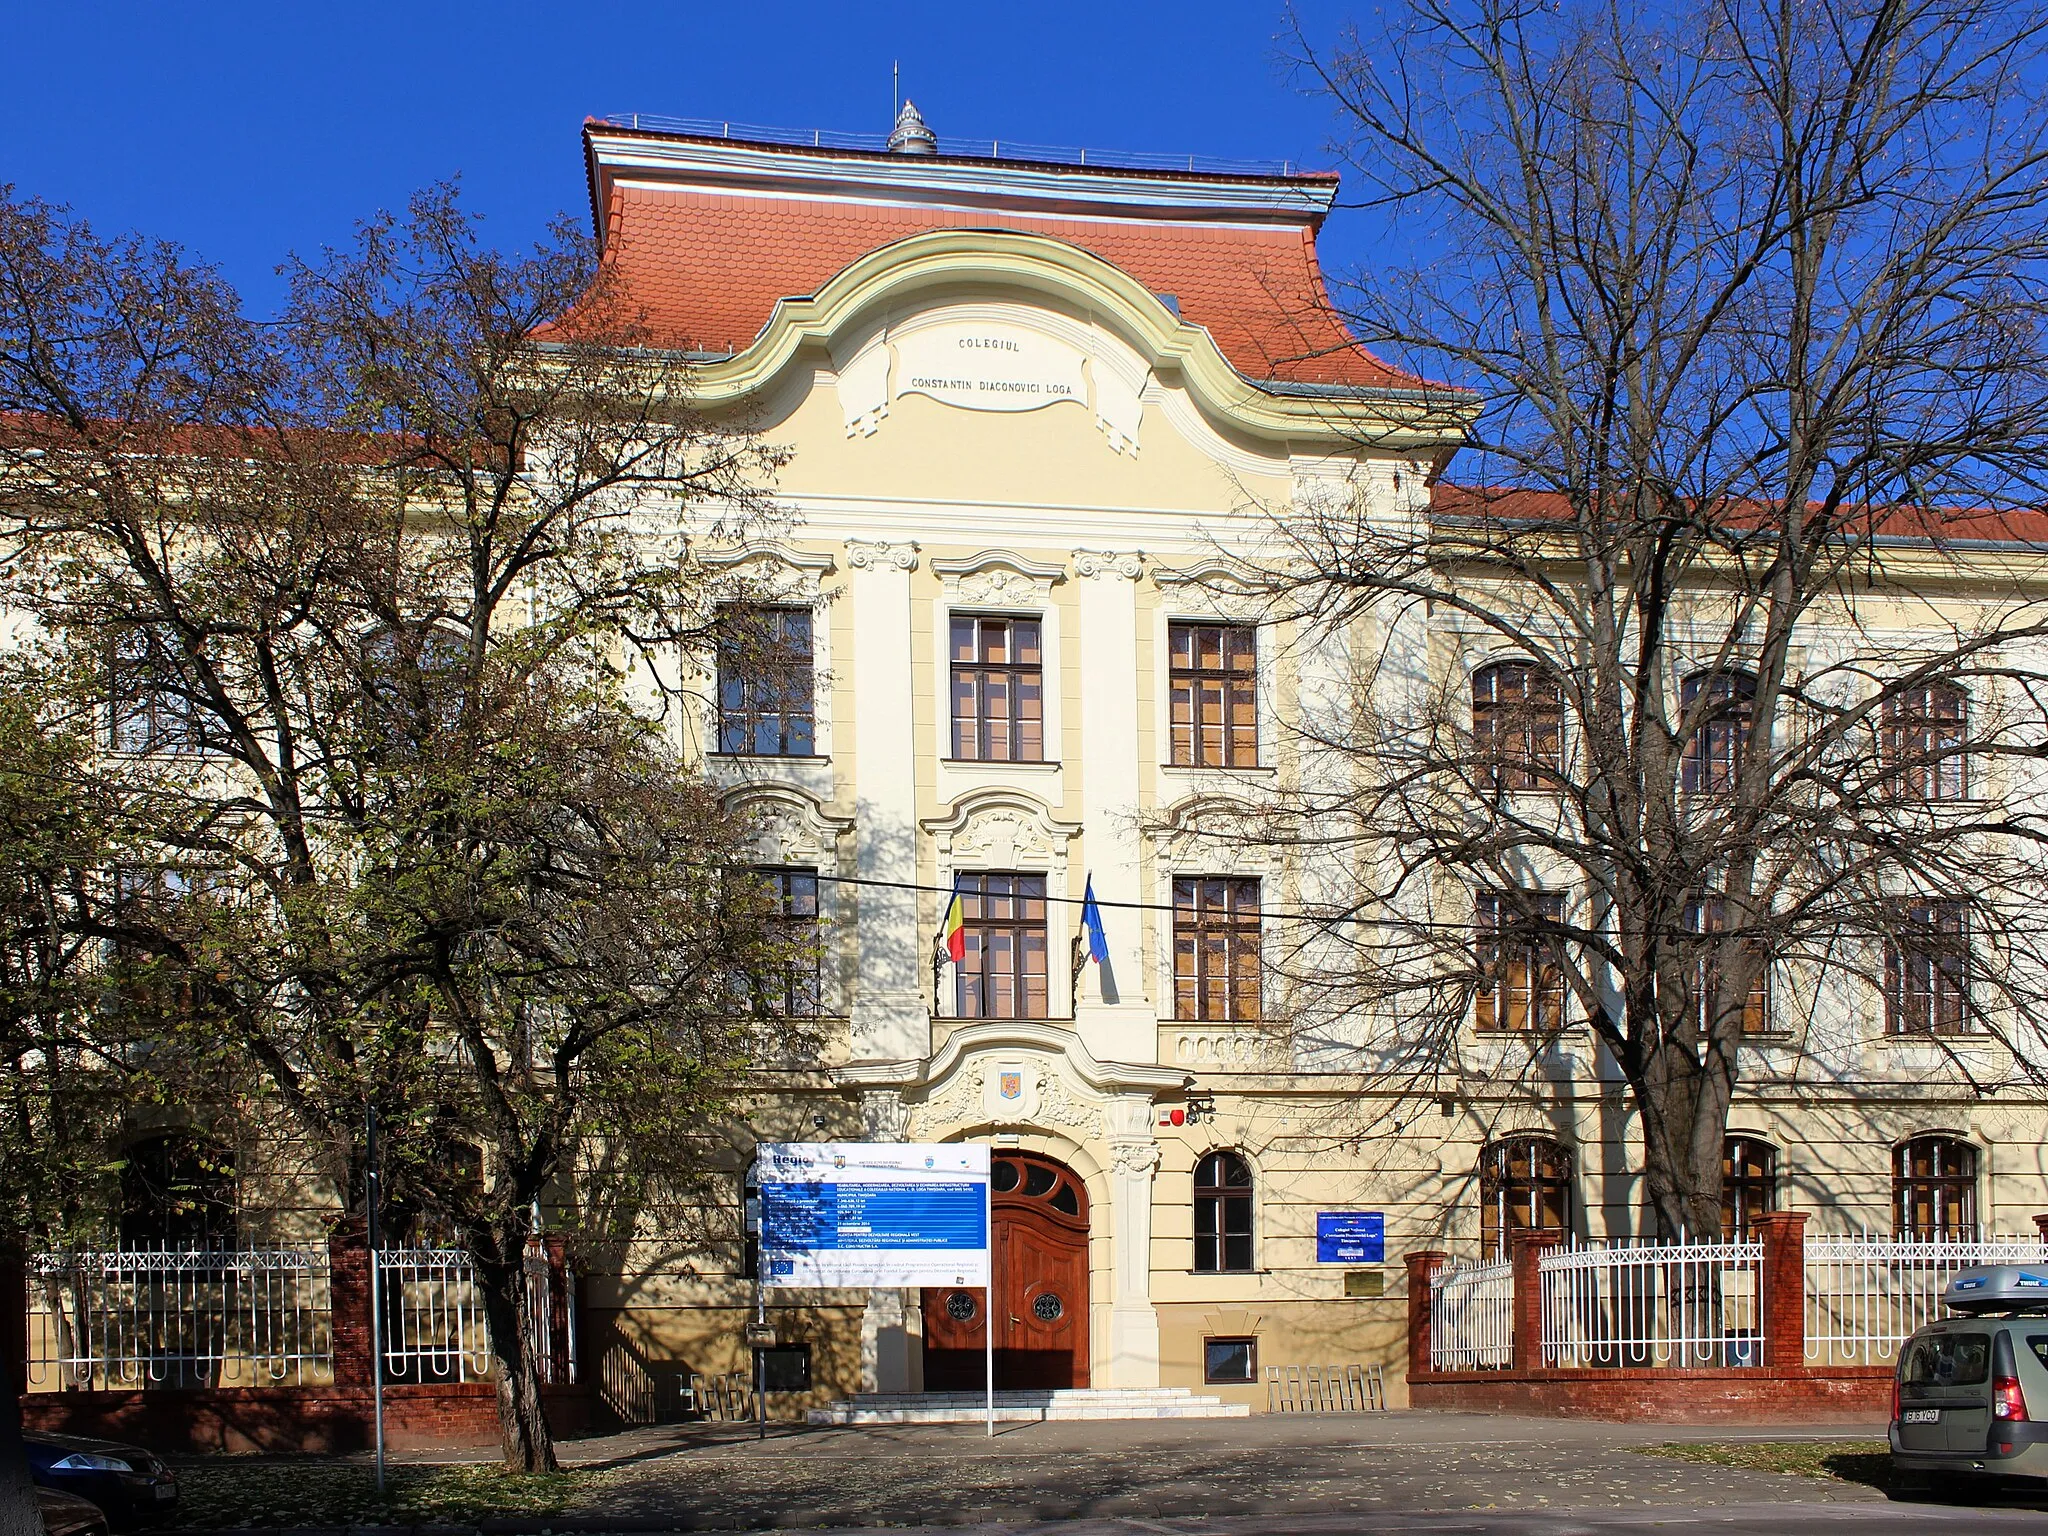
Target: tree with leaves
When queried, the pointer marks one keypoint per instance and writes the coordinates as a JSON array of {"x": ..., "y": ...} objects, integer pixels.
[{"x": 394, "y": 601}]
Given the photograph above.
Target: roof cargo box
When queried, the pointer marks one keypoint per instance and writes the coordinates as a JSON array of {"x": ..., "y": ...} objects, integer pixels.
[{"x": 1999, "y": 1288}]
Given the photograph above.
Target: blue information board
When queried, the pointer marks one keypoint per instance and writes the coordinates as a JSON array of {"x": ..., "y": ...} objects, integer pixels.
[
  {"x": 867, "y": 1214},
  {"x": 1351, "y": 1237}
]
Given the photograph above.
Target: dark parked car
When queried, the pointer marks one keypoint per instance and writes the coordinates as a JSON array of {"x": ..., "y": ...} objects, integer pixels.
[
  {"x": 66, "y": 1514},
  {"x": 131, "y": 1485}
]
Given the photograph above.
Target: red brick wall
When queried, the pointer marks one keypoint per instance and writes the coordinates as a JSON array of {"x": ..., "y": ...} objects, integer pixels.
[
  {"x": 1664, "y": 1396},
  {"x": 318, "y": 1419}
]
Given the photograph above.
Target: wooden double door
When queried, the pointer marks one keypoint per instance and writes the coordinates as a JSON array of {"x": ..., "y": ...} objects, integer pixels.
[{"x": 1041, "y": 1288}]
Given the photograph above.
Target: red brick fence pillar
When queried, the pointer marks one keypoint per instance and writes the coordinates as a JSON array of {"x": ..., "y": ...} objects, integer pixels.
[
  {"x": 348, "y": 1283},
  {"x": 1525, "y": 1251},
  {"x": 1421, "y": 1266},
  {"x": 1783, "y": 1313}
]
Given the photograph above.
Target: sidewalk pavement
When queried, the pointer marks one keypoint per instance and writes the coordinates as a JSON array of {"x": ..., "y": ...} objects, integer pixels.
[{"x": 1282, "y": 1472}]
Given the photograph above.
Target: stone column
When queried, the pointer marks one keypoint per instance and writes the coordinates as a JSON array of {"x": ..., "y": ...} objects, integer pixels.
[
  {"x": 891, "y": 995},
  {"x": 1783, "y": 1312},
  {"x": 1421, "y": 1266},
  {"x": 1113, "y": 1012},
  {"x": 885, "y": 1353},
  {"x": 1526, "y": 1250},
  {"x": 1133, "y": 1320}
]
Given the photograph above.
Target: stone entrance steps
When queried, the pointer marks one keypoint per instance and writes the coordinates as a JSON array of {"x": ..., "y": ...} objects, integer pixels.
[{"x": 1026, "y": 1407}]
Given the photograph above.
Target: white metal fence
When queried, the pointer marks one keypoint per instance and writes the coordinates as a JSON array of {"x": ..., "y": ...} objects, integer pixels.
[
  {"x": 1627, "y": 1303},
  {"x": 207, "y": 1318},
  {"x": 434, "y": 1325},
  {"x": 1864, "y": 1295},
  {"x": 1472, "y": 1317},
  {"x": 128, "y": 1319}
]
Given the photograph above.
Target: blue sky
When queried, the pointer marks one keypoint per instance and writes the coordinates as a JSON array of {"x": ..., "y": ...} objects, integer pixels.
[{"x": 245, "y": 131}]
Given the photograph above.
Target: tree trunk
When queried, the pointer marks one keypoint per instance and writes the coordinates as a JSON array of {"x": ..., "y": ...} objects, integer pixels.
[
  {"x": 528, "y": 1443},
  {"x": 20, "y": 1514}
]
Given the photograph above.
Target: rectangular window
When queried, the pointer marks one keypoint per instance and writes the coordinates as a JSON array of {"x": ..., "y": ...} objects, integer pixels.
[
  {"x": 794, "y": 991},
  {"x": 1709, "y": 914},
  {"x": 766, "y": 683},
  {"x": 143, "y": 713},
  {"x": 998, "y": 690},
  {"x": 1003, "y": 975},
  {"x": 1922, "y": 742},
  {"x": 786, "y": 1368},
  {"x": 1230, "y": 1360},
  {"x": 1213, "y": 689},
  {"x": 1927, "y": 970},
  {"x": 1215, "y": 949},
  {"x": 1521, "y": 983}
]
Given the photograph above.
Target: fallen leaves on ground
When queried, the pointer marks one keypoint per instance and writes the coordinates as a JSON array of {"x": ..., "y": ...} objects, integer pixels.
[
  {"x": 229, "y": 1494},
  {"x": 1848, "y": 1461}
]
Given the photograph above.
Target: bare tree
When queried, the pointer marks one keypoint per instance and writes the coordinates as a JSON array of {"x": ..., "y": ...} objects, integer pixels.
[
  {"x": 391, "y": 600},
  {"x": 1743, "y": 301}
]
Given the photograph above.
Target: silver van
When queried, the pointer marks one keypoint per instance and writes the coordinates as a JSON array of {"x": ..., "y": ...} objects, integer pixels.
[{"x": 1971, "y": 1400}]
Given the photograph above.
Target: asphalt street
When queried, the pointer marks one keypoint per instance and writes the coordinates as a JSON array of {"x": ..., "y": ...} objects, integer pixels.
[{"x": 1320, "y": 1476}]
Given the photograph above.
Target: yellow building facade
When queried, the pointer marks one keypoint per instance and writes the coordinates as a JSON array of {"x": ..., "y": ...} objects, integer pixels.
[{"x": 1034, "y": 411}]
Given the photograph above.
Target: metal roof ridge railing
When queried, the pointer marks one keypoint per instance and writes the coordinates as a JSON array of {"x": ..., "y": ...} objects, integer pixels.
[{"x": 951, "y": 147}]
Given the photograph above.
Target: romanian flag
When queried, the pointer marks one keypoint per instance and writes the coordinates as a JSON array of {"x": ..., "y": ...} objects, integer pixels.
[{"x": 952, "y": 941}]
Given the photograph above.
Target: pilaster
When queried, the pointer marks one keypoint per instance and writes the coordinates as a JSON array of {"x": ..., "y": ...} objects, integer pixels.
[
  {"x": 1113, "y": 1010},
  {"x": 1133, "y": 1320},
  {"x": 890, "y": 1019},
  {"x": 886, "y": 1356}
]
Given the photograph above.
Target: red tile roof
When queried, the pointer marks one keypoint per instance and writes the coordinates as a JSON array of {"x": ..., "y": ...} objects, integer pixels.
[
  {"x": 708, "y": 266},
  {"x": 1933, "y": 525}
]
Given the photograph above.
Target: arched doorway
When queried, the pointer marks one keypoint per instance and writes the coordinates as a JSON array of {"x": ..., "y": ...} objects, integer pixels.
[{"x": 1041, "y": 1275}]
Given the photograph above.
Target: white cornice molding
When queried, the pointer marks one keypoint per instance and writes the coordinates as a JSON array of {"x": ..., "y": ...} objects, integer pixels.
[
  {"x": 725, "y": 167},
  {"x": 897, "y": 276},
  {"x": 967, "y": 565},
  {"x": 779, "y": 554}
]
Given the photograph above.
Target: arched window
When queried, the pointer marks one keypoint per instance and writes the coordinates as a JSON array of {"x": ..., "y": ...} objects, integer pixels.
[
  {"x": 1749, "y": 1184},
  {"x": 1517, "y": 726},
  {"x": 1922, "y": 742},
  {"x": 178, "y": 1192},
  {"x": 1725, "y": 703},
  {"x": 1525, "y": 1185},
  {"x": 1223, "y": 1214},
  {"x": 1934, "y": 1189}
]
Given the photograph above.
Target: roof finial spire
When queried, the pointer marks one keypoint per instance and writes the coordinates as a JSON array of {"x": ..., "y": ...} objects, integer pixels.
[{"x": 912, "y": 135}]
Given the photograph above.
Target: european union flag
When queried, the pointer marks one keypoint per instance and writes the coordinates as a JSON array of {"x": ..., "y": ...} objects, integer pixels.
[{"x": 1091, "y": 924}]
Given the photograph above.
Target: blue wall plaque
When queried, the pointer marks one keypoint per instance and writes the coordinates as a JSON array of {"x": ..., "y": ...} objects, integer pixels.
[{"x": 1351, "y": 1237}]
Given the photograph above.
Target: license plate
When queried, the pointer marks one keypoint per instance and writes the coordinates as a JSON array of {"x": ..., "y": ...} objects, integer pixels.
[
  {"x": 1921, "y": 1416},
  {"x": 166, "y": 1491}
]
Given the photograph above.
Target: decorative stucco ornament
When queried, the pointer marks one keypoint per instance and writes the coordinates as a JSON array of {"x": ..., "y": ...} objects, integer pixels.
[{"x": 912, "y": 135}]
